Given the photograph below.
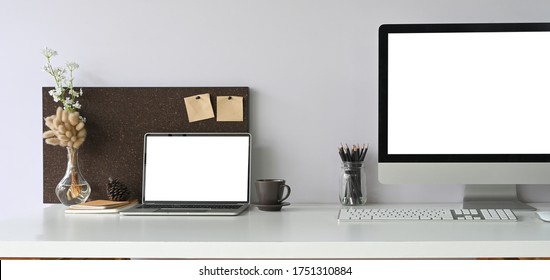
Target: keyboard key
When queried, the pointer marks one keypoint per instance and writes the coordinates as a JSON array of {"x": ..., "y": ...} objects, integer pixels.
[
  {"x": 510, "y": 214},
  {"x": 501, "y": 214}
]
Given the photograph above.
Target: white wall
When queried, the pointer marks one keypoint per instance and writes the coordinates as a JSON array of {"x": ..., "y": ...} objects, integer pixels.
[{"x": 311, "y": 66}]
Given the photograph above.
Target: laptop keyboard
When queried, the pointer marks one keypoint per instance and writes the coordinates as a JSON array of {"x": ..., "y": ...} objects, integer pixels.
[{"x": 193, "y": 206}]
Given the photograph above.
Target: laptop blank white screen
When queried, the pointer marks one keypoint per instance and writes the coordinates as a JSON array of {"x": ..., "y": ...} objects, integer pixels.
[{"x": 196, "y": 168}]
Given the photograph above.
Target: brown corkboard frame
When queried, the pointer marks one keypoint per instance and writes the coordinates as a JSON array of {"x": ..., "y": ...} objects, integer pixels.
[{"x": 117, "y": 119}]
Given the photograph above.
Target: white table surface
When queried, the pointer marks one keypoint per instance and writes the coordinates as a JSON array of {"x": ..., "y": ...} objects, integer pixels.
[{"x": 298, "y": 231}]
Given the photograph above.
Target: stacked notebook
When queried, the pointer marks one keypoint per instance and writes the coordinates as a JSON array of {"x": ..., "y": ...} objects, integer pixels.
[{"x": 100, "y": 207}]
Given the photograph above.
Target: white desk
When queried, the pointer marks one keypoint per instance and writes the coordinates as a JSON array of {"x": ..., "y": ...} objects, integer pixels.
[{"x": 299, "y": 231}]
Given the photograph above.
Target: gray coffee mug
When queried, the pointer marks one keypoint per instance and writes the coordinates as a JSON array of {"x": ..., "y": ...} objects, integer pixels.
[{"x": 270, "y": 191}]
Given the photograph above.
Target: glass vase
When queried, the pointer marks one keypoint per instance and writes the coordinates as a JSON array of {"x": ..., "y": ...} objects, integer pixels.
[
  {"x": 353, "y": 185},
  {"x": 73, "y": 188}
]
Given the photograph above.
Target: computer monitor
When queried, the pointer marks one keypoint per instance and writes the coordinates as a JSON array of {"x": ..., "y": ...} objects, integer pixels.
[{"x": 465, "y": 104}]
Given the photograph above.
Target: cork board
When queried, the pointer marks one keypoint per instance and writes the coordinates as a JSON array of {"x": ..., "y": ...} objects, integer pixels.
[{"x": 117, "y": 119}]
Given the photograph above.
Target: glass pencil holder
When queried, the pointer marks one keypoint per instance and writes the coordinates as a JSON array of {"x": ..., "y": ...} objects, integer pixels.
[{"x": 353, "y": 184}]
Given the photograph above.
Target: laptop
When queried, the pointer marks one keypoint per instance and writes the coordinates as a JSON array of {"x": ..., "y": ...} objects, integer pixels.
[{"x": 195, "y": 174}]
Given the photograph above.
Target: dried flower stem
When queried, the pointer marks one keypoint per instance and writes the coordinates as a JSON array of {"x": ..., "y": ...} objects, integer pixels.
[{"x": 75, "y": 188}]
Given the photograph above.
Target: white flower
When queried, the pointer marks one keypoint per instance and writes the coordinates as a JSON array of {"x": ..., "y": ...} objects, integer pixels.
[
  {"x": 72, "y": 66},
  {"x": 55, "y": 94},
  {"x": 64, "y": 90},
  {"x": 59, "y": 72},
  {"x": 47, "y": 52},
  {"x": 81, "y": 93},
  {"x": 58, "y": 91}
]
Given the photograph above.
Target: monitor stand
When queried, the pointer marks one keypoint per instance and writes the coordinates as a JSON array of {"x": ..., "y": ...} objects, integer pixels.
[{"x": 493, "y": 197}]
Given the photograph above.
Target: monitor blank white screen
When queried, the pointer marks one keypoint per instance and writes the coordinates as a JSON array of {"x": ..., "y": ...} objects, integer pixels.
[{"x": 469, "y": 93}]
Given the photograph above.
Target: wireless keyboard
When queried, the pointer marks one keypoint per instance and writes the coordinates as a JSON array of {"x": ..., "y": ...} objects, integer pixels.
[{"x": 412, "y": 214}]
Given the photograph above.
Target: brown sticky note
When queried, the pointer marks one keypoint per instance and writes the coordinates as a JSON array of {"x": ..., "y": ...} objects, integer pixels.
[
  {"x": 199, "y": 107},
  {"x": 229, "y": 108}
]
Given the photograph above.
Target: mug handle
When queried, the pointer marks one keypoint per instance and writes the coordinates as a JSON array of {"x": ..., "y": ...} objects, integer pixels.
[{"x": 287, "y": 187}]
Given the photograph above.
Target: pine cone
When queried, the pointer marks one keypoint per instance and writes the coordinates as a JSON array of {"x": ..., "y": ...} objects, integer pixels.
[{"x": 117, "y": 191}]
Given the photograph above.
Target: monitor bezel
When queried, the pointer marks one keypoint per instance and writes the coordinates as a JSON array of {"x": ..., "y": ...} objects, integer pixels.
[{"x": 387, "y": 29}]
